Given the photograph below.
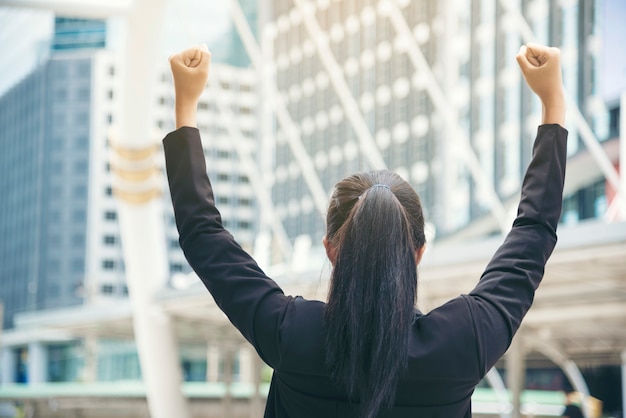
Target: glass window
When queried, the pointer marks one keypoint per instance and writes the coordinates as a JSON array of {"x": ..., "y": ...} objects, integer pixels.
[
  {"x": 78, "y": 265},
  {"x": 78, "y": 240},
  {"x": 108, "y": 264}
]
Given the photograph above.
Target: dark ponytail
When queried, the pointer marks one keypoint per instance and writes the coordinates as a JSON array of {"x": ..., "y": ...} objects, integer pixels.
[{"x": 375, "y": 225}]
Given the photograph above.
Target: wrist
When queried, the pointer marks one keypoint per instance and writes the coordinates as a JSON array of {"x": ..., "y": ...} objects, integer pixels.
[
  {"x": 553, "y": 114},
  {"x": 186, "y": 114}
]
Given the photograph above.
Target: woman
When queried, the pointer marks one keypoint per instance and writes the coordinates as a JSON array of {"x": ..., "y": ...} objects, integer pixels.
[{"x": 368, "y": 352}]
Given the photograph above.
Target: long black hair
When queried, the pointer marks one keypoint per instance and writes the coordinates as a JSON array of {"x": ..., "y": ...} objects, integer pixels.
[{"x": 374, "y": 226}]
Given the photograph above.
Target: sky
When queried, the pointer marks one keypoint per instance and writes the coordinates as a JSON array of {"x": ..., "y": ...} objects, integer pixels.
[{"x": 613, "y": 78}]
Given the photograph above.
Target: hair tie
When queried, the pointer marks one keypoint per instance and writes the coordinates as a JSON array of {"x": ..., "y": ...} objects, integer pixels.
[{"x": 374, "y": 186}]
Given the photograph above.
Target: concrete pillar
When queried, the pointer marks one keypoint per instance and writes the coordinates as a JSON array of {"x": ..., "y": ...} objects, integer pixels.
[
  {"x": 228, "y": 356},
  {"x": 245, "y": 364},
  {"x": 256, "y": 403},
  {"x": 37, "y": 363},
  {"x": 515, "y": 374},
  {"x": 212, "y": 363},
  {"x": 90, "y": 368},
  {"x": 8, "y": 363}
]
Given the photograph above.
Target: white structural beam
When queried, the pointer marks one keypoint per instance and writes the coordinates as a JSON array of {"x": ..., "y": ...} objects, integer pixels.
[
  {"x": 446, "y": 110},
  {"x": 587, "y": 135},
  {"x": 516, "y": 374},
  {"x": 250, "y": 168},
  {"x": 94, "y": 9},
  {"x": 570, "y": 369},
  {"x": 497, "y": 384},
  {"x": 292, "y": 133},
  {"x": 317, "y": 35}
]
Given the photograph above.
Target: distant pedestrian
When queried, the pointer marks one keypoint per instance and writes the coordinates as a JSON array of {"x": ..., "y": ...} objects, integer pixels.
[{"x": 572, "y": 410}]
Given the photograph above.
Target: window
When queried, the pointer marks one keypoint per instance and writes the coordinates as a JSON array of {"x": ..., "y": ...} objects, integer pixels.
[
  {"x": 78, "y": 240},
  {"x": 108, "y": 191},
  {"x": 79, "y": 215},
  {"x": 174, "y": 243},
  {"x": 80, "y": 191},
  {"x": 107, "y": 289},
  {"x": 108, "y": 264},
  {"x": 222, "y": 177},
  {"x": 243, "y": 225},
  {"x": 244, "y": 179},
  {"x": 222, "y": 200},
  {"x": 60, "y": 95},
  {"x": 81, "y": 118},
  {"x": 80, "y": 167},
  {"x": 110, "y": 215},
  {"x": 176, "y": 267},
  {"x": 109, "y": 240},
  {"x": 78, "y": 265},
  {"x": 244, "y": 201},
  {"x": 81, "y": 142},
  {"x": 83, "y": 93}
]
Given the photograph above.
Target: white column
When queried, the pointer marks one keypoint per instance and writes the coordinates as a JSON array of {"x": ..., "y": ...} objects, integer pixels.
[
  {"x": 37, "y": 363},
  {"x": 8, "y": 363},
  {"x": 141, "y": 216}
]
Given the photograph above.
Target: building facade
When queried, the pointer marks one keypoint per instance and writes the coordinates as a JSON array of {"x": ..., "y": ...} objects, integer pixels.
[{"x": 428, "y": 79}]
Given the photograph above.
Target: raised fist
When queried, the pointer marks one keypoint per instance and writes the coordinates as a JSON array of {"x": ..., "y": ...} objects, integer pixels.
[
  {"x": 541, "y": 67},
  {"x": 190, "y": 70}
]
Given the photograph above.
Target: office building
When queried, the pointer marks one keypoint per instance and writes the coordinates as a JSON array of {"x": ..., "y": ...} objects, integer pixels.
[{"x": 421, "y": 114}]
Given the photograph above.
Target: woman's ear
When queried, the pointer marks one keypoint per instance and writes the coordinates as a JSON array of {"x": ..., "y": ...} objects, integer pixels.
[
  {"x": 331, "y": 252},
  {"x": 418, "y": 254}
]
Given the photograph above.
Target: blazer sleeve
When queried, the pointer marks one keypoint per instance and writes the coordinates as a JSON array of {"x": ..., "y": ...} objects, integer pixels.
[
  {"x": 506, "y": 289},
  {"x": 253, "y": 302}
]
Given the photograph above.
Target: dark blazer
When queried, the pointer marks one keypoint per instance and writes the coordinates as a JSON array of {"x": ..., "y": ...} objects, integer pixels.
[{"x": 451, "y": 348}]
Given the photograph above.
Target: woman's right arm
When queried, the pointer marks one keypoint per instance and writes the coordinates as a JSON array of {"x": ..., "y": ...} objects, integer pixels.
[
  {"x": 506, "y": 289},
  {"x": 253, "y": 302}
]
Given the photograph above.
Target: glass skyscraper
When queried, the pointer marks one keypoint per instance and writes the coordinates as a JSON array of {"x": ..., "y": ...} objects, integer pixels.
[{"x": 46, "y": 134}]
